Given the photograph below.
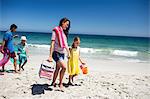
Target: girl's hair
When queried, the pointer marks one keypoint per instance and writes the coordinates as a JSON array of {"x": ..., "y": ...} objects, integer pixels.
[
  {"x": 75, "y": 39},
  {"x": 61, "y": 22}
]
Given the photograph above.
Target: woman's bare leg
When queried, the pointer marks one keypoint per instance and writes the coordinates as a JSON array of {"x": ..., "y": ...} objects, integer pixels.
[
  {"x": 56, "y": 73},
  {"x": 62, "y": 72}
]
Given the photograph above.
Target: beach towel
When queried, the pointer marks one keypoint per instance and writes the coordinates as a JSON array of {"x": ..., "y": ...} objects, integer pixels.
[
  {"x": 46, "y": 70},
  {"x": 59, "y": 33},
  {"x": 5, "y": 58}
]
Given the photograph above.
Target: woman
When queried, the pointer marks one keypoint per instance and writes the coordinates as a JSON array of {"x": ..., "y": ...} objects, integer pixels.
[{"x": 57, "y": 48}]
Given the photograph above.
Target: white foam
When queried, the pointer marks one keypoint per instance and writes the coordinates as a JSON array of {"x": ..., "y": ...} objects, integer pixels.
[
  {"x": 39, "y": 45},
  {"x": 87, "y": 50},
  {"x": 102, "y": 51},
  {"x": 125, "y": 53}
]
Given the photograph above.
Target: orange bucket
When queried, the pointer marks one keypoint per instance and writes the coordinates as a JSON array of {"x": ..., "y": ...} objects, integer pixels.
[{"x": 84, "y": 69}]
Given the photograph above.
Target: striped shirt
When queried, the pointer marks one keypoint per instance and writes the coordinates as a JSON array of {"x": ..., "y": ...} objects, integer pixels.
[{"x": 56, "y": 44}]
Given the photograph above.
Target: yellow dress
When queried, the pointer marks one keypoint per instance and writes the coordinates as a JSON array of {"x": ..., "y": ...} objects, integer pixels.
[{"x": 73, "y": 62}]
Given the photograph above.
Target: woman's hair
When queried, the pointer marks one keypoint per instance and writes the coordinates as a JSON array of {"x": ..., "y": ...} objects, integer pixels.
[
  {"x": 61, "y": 22},
  {"x": 74, "y": 40}
]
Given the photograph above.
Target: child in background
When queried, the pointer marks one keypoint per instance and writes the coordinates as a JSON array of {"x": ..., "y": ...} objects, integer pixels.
[
  {"x": 73, "y": 62},
  {"x": 22, "y": 52}
]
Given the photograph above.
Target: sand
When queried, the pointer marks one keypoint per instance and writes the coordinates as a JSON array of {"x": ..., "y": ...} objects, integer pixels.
[{"x": 107, "y": 79}]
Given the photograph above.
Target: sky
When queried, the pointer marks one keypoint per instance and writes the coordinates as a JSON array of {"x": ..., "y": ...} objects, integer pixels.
[{"x": 102, "y": 17}]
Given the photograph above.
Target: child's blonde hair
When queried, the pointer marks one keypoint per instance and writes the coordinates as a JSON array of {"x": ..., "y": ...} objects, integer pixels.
[{"x": 74, "y": 40}]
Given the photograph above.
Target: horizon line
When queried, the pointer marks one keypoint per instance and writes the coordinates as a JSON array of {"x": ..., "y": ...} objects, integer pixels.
[{"x": 83, "y": 34}]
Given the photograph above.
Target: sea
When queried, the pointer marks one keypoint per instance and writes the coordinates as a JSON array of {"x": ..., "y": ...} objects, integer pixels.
[{"x": 99, "y": 47}]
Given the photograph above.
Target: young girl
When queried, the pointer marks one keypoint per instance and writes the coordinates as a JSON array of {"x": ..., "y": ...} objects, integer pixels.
[{"x": 73, "y": 62}]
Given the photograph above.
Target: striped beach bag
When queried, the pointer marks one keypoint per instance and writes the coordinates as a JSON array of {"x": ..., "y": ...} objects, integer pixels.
[{"x": 46, "y": 70}]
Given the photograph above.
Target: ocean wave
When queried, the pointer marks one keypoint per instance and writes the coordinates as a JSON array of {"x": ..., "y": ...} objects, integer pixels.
[
  {"x": 125, "y": 53},
  {"x": 110, "y": 51},
  {"x": 39, "y": 45},
  {"x": 105, "y": 51}
]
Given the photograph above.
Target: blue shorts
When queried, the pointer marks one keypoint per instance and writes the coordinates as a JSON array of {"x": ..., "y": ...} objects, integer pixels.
[{"x": 58, "y": 56}]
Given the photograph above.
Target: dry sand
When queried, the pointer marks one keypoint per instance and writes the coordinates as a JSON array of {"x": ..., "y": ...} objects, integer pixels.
[{"x": 107, "y": 79}]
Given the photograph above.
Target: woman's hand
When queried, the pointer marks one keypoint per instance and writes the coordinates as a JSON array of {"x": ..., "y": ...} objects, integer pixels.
[
  {"x": 68, "y": 51},
  {"x": 51, "y": 51},
  {"x": 68, "y": 55},
  {"x": 50, "y": 59}
]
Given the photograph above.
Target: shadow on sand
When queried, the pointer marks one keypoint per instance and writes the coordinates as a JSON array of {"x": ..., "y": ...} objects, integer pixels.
[
  {"x": 7, "y": 71},
  {"x": 38, "y": 89},
  {"x": 67, "y": 85}
]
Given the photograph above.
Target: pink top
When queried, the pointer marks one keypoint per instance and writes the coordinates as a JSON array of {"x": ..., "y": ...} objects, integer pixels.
[{"x": 57, "y": 47}]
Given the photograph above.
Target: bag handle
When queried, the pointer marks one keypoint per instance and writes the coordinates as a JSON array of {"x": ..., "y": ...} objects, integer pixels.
[{"x": 48, "y": 62}]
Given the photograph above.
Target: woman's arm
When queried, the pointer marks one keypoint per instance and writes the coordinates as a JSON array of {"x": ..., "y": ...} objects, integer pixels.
[
  {"x": 68, "y": 51},
  {"x": 51, "y": 51}
]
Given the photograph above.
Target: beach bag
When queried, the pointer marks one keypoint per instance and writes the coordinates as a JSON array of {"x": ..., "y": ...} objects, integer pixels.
[
  {"x": 84, "y": 69},
  {"x": 46, "y": 70}
]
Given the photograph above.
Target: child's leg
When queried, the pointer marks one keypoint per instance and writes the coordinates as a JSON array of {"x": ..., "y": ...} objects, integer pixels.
[
  {"x": 19, "y": 65},
  {"x": 24, "y": 64},
  {"x": 70, "y": 78},
  {"x": 15, "y": 64},
  {"x": 73, "y": 77},
  {"x": 20, "y": 62}
]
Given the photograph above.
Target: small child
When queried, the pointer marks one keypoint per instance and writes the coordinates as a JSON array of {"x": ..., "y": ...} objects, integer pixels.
[
  {"x": 22, "y": 52},
  {"x": 73, "y": 62}
]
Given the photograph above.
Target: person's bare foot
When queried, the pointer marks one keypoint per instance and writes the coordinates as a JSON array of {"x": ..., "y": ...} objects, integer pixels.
[
  {"x": 17, "y": 72},
  {"x": 53, "y": 84},
  {"x": 61, "y": 88}
]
